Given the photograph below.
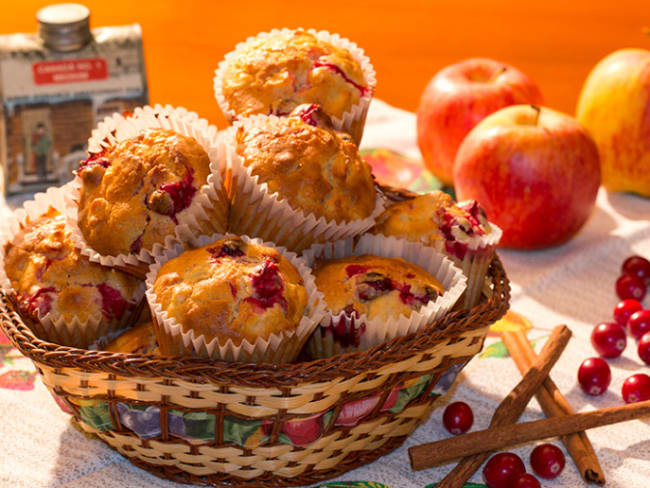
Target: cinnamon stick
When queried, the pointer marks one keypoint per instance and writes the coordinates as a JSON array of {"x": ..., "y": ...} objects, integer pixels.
[
  {"x": 504, "y": 436},
  {"x": 554, "y": 404},
  {"x": 507, "y": 412}
]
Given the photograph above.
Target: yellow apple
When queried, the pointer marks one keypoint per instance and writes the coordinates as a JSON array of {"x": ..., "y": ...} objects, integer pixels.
[{"x": 614, "y": 106}]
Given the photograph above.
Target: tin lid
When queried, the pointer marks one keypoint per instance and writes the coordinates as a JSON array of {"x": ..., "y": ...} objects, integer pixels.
[{"x": 64, "y": 26}]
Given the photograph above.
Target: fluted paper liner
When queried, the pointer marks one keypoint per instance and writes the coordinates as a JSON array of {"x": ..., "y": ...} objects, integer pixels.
[
  {"x": 377, "y": 331},
  {"x": 255, "y": 211},
  {"x": 277, "y": 348},
  {"x": 351, "y": 121},
  {"x": 208, "y": 211},
  {"x": 51, "y": 327}
]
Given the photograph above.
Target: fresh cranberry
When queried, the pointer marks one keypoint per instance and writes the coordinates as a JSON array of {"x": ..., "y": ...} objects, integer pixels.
[
  {"x": 594, "y": 376},
  {"x": 624, "y": 309},
  {"x": 639, "y": 267},
  {"x": 639, "y": 323},
  {"x": 629, "y": 286},
  {"x": 547, "y": 460},
  {"x": 458, "y": 418},
  {"x": 501, "y": 468},
  {"x": 608, "y": 339},
  {"x": 525, "y": 480},
  {"x": 643, "y": 348},
  {"x": 636, "y": 388}
]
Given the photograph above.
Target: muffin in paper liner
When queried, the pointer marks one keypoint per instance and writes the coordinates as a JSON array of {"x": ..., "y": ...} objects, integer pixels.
[
  {"x": 469, "y": 244},
  {"x": 208, "y": 211},
  {"x": 255, "y": 211},
  {"x": 352, "y": 121},
  {"x": 277, "y": 348},
  {"x": 340, "y": 333},
  {"x": 76, "y": 332}
]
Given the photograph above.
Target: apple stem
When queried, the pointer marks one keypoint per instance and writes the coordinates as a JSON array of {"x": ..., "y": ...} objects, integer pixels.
[
  {"x": 538, "y": 110},
  {"x": 498, "y": 73}
]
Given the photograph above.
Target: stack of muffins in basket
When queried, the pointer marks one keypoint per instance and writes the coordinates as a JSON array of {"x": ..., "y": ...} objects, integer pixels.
[{"x": 261, "y": 243}]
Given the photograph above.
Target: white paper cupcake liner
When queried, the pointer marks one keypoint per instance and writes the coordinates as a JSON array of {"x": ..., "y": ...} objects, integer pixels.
[
  {"x": 352, "y": 121},
  {"x": 255, "y": 211},
  {"x": 208, "y": 211},
  {"x": 277, "y": 348},
  {"x": 75, "y": 332},
  {"x": 376, "y": 330}
]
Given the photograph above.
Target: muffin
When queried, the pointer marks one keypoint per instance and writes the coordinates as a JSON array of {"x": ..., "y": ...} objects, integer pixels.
[
  {"x": 378, "y": 288},
  {"x": 233, "y": 299},
  {"x": 146, "y": 176},
  {"x": 462, "y": 231},
  {"x": 66, "y": 298},
  {"x": 274, "y": 72},
  {"x": 296, "y": 181},
  {"x": 140, "y": 339}
]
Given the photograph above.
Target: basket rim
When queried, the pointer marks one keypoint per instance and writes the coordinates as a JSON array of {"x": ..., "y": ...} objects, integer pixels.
[{"x": 266, "y": 375}]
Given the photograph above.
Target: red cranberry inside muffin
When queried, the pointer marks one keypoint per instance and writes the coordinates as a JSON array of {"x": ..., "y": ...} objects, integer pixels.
[
  {"x": 375, "y": 286},
  {"x": 49, "y": 275},
  {"x": 133, "y": 192}
]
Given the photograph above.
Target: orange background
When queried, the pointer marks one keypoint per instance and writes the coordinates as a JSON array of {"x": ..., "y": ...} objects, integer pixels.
[{"x": 555, "y": 42}]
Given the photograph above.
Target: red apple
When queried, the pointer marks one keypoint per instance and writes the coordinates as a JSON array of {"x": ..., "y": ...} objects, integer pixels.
[
  {"x": 459, "y": 97},
  {"x": 534, "y": 170}
]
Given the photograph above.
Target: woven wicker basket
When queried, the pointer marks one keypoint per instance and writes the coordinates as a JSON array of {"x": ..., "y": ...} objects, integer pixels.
[{"x": 261, "y": 425}]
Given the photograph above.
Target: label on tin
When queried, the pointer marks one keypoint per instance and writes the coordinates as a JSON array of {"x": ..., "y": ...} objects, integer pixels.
[{"x": 72, "y": 71}]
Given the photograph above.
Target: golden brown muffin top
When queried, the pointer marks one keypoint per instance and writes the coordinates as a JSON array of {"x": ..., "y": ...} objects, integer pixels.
[
  {"x": 232, "y": 290},
  {"x": 140, "y": 339},
  {"x": 50, "y": 275},
  {"x": 433, "y": 217},
  {"x": 315, "y": 169},
  {"x": 133, "y": 191},
  {"x": 378, "y": 287},
  {"x": 274, "y": 74}
]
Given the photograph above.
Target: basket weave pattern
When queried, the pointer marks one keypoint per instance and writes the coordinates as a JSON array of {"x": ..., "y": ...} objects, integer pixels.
[{"x": 265, "y": 395}]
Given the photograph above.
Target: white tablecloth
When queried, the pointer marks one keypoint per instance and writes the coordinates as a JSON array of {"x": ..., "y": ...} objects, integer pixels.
[{"x": 571, "y": 284}]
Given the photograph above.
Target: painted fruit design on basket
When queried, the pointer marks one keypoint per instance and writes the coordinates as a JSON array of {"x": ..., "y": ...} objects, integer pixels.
[{"x": 199, "y": 427}]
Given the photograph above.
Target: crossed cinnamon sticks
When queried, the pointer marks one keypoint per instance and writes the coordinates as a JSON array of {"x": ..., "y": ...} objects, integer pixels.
[{"x": 476, "y": 447}]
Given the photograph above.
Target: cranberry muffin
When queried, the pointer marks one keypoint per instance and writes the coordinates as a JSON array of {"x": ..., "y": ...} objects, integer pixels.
[
  {"x": 140, "y": 339},
  {"x": 374, "y": 286},
  {"x": 295, "y": 183},
  {"x": 233, "y": 292},
  {"x": 462, "y": 231},
  {"x": 57, "y": 288},
  {"x": 274, "y": 72},
  {"x": 134, "y": 192}
]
